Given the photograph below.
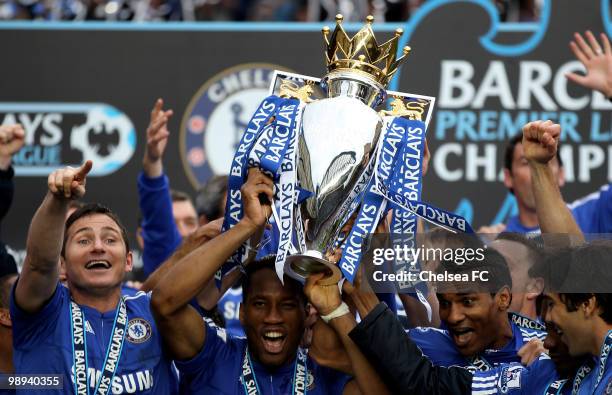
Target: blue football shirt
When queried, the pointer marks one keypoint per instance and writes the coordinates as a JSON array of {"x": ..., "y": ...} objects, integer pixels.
[
  {"x": 516, "y": 379},
  {"x": 590, "y": 385},
  {"x": 593, "y": 214},
  {"x": 217, "y": 369},
  {"x": 42, "y": 343},
  {"x": 438, "y": 346}
]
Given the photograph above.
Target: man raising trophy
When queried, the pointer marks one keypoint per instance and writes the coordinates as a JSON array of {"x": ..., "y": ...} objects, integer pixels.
[{"x": 334, "y": 158}]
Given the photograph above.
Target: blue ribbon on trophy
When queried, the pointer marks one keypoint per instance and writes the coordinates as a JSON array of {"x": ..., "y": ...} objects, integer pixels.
[
  {"x": 407, "y": 179},
  {"x": 325, "y": 137},
  {"x": 288, "y": 195},
  {"x": 264, "y": 144}
]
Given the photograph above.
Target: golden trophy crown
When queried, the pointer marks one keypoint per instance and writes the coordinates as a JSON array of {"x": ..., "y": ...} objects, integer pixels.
[{"x": 362, "y": 54}]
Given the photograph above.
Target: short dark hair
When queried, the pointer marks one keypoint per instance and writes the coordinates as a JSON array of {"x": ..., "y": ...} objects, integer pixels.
[
  {"x": 180, "y": 196},
  {"x": 267, "y": 262},
  {"x": 493, "y": 263},
  {"x": 209, "y": 201},
  {"x": 535, "y": 251},
  {"x": 509, "y": 152},
  {"x": 91, "y": 209},
  {"x": 572, "y": 271}
]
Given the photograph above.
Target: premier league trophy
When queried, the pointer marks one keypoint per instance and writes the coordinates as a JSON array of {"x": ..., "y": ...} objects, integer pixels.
[
  {"x": 335, "y": 159},
  {"x": 338, "y": 136}
]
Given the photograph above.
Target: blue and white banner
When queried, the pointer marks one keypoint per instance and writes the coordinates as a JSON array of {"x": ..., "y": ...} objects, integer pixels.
[
  {"x": 398, "y": 173},
  {"x": 288, "y": 195},
  {"x": 238, "y": 172},
  {"x": 270, "y": 144}
]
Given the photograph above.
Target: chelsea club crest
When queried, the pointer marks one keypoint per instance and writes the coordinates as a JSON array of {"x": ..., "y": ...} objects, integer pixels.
[
  {"x": 138, "y": 330},
  {"x": 217, "y": 116}
]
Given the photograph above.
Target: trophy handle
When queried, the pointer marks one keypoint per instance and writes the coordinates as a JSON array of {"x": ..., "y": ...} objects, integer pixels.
[{"x": 300, "y": 266}]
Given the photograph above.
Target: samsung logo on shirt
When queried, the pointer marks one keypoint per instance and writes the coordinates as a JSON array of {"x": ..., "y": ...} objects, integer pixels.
[{"x": 130, "y": 383}]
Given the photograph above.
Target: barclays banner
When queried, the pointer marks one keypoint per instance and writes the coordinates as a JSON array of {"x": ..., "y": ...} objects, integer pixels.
[
  {"x": 85, "y": 91},
  {"x": 95, "y": 131}
]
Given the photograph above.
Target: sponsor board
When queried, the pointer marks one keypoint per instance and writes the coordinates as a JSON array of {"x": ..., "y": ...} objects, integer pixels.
[{"x": 63, "y": 134}]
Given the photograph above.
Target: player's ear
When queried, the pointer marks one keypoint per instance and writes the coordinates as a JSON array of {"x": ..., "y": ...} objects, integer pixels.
[
  {"x": 508, "y": 181},
  {"x": 129, "y": 261},
  {"x": 503, "y": 298}
]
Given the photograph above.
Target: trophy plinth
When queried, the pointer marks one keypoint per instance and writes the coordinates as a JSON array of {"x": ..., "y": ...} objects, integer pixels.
[{"x": 300, "y": 266}]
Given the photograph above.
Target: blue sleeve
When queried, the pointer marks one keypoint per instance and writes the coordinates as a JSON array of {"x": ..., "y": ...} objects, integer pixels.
[
  {"x": 593, "y": 213},
  {"x": 334, "y": 380},
  {"x": 219, "y": 349},
  {"x": 159, "y": 232},
  {"x": 30, "y": 329},
  {"x": 436, "y": 345},
  {"x": 515, "y": 379}
]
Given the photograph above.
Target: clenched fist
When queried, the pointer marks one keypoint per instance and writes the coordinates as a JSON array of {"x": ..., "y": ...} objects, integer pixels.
[
  {"x": 540, "y": 141},
  {"x": 12, "y": 138}
]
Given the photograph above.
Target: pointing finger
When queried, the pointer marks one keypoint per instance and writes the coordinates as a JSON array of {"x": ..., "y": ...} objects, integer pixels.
[{"x": 83, "y": 170}]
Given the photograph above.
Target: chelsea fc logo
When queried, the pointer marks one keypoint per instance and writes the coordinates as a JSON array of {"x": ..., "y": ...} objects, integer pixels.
[
  {"x": 138, "y": 330},
  {"x": 218, "y": 115}
]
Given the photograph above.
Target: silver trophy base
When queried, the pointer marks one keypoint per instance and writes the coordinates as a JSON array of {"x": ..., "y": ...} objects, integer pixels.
[{"x": 299, "y": 267}]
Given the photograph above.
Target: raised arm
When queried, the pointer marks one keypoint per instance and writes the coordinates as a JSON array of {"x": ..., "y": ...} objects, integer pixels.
[
  {"x": 159, "y": 232},
  {"x": 540, "y": 140},
  {"x": 209, "y": 298},
  {"x": 597, "y": 59},
  {"x": 327, "y": 300},
  {"x": 40, "y": 273},
  {"x": 399, "y": 361},
  {"x": 196, "y": 239},
  {"x": 157, "y": 139},
  {"x": 181, "y": 326},
  {"x": 12, "y": 138}
]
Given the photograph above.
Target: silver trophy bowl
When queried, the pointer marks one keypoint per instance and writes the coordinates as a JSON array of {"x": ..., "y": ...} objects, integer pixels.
[{"x": 339, "y": 134}]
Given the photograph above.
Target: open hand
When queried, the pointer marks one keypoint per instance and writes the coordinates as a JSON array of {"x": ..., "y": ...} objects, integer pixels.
[
  {"x": 597, "y": 59},
  {"x": 157, "y": 132}
]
